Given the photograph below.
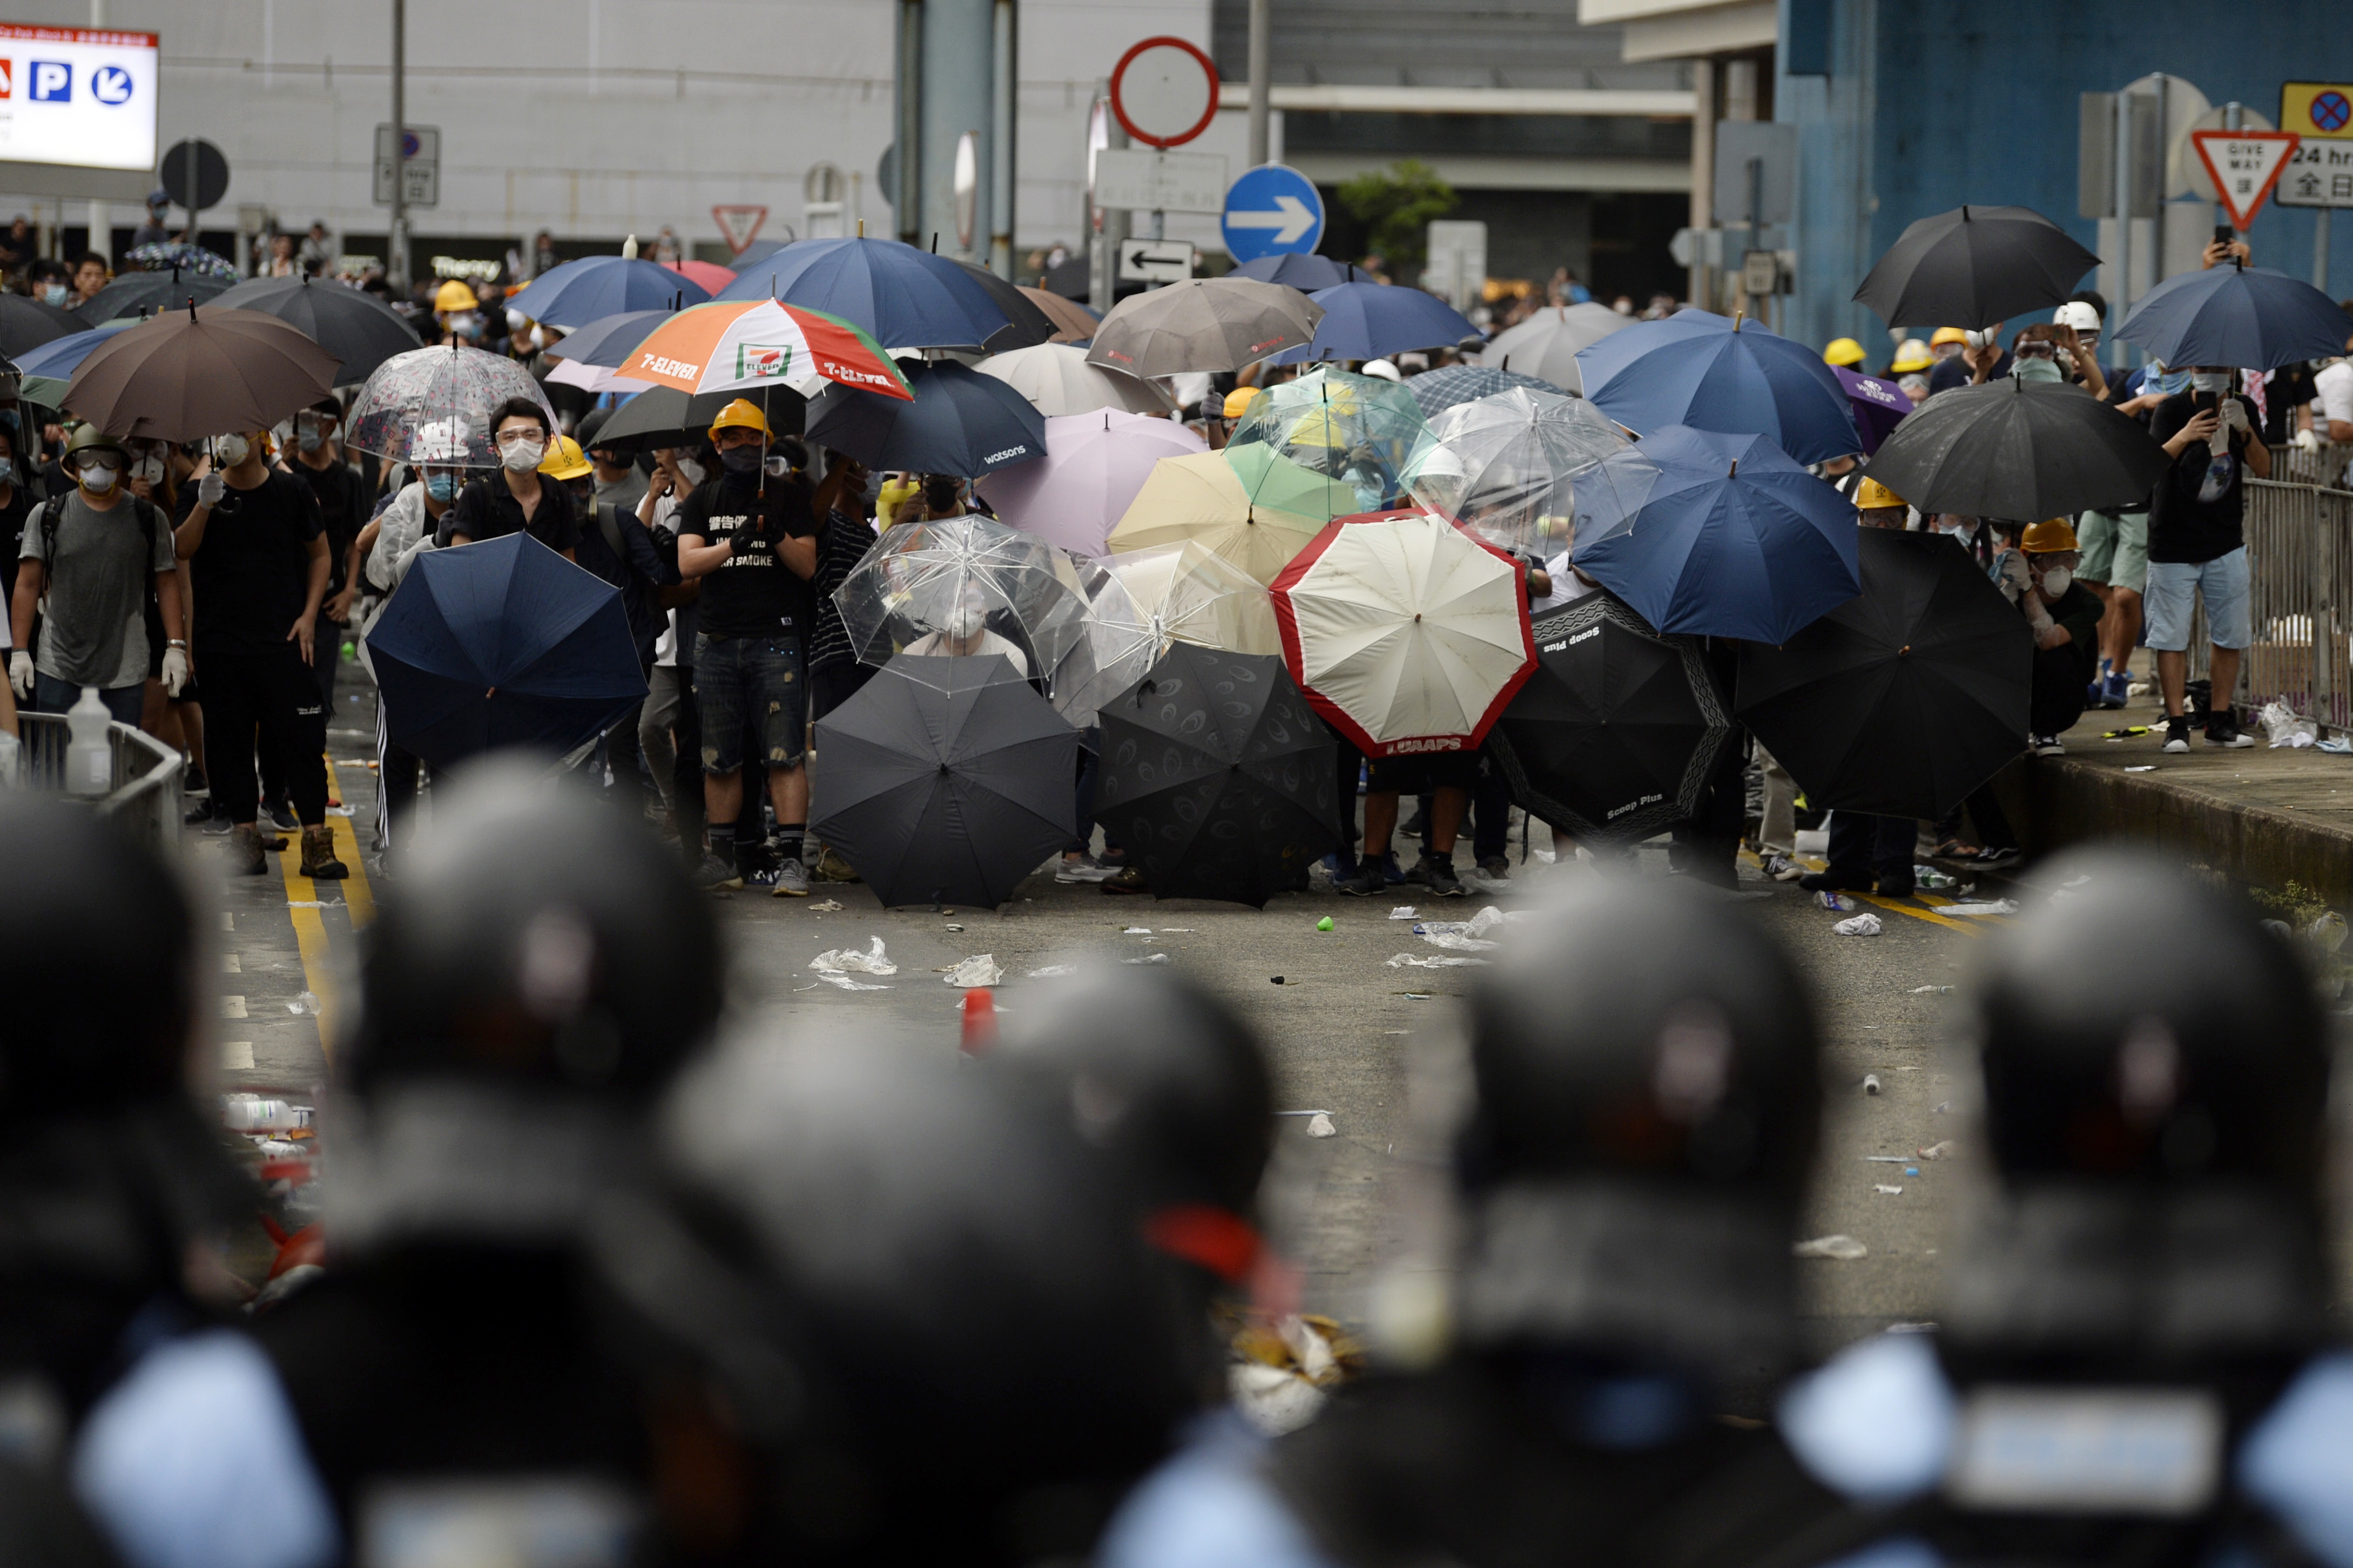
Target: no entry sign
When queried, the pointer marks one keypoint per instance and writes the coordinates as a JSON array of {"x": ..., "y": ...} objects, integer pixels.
[{"x": 1164, "y": 91}]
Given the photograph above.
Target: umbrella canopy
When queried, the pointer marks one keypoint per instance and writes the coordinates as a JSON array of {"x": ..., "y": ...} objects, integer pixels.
[
  {"x": 1407, "y": 633},
  {"x": 27, "y": 323},
  {"x": 152, "y": 294},
  {"x": 1367, "y": 320},
  {"x": 1546, "y": 344},
  {"x": 595, "y": 378},
  {"x": 186, "y": 258},
  {"x": 503, "y": 643},
  {"x": 1975, "y": 266},
  {"x": 739, "y": 346},
  {"x": 1357, "y": 429},
  {"x": 960, "y": 575},
  {"x": 904, "y": 298},
  {"x": 453, "y": 389},
  {"x": 945, "y": 781},
  {"x": 1245, "y": 505},
  {"x": 2246, "y": 318},
  {"x": 1715, "y": 535},
  {"x": 1438, "y": 390},
  {"x": 2015, "y": 450},
  {"x": 578, "y": 292},
  {"x": 1181, "y": 593},
  {"x": 708, "y": 276},
  {"x": 1617, "y": 732},
  {"x": 1203, "y": 323},
  {"x": 360, "y": 330},
  {"x": 1876, "y": 405},
  {"x": 957, "y": 422},
  {"x": 1217, "y": 775},
  {"x": 1093, "y": 467},
  {"x": 1906, "y": 698},
  {"x": 1714, "y": 373},
  {"x": 63, "y": 356},
  {"x": 1074, "y": 322},
  {"x": 1504, "y": 465},
  {"x": 1302, "y": 270},
  {"x": 609, "y": 341},
  {"x": 1057, "y": 380},
  {"x": 665, "y": 416},
  {"x": 204, "y": 370},
  {"x": 1029, "y": 323}
]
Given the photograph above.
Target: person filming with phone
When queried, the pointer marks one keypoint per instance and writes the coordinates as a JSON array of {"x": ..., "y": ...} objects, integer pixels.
[{"x": 2196, "y": 546}]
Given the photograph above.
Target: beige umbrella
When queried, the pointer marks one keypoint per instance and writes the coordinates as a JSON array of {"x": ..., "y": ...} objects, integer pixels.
[
  {"x": 1251, "y": 509},
  {"x": 1203, "y": 323},
  {"x": 1074, "y": 322},
  {"x": 1059, "y": 382}
]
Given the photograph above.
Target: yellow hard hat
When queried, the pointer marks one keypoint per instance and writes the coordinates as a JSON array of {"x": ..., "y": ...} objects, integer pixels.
[
  {"x": 1843, "y": 351},
  {"x": 1944, "y": 335},
  {"x": 1870, "y": 495},
  {"x": 1238, "y": 401},
  {"x": 1911, "y": 354},
  {"x": 2047, "y": 537},
  {"x": 455, "y": 296},
  {"x": 564, "y": 460},
  {"x": 741, "y": 414}
]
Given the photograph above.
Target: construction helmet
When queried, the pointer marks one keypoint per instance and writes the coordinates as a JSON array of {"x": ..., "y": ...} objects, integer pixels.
[
  {"x": 2049, "y": 535},
  {"x": 1944, "y": 335},
  {"x": 1843, "y": 351},
  {"x": 85, "y": 436},
  {"x": 564, "y": 460},
  {"x": 1911, "y": 354},
  {"x": 741, "y": 414},
  {"x": 1871, "y": 496},
  {"x": 455, "y": 296},
  {"x": 1238, "y": 401},
  {"x": 2078, "y": 314}
]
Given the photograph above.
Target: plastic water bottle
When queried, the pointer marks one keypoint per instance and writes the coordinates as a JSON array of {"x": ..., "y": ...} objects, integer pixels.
[{"x": 90, "y": 759}]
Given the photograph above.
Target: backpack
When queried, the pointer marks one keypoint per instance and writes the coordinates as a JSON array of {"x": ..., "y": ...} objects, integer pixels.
[{"x": 148, "y": 515}]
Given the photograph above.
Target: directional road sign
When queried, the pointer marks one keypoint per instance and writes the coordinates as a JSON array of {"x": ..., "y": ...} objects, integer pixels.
[
  {"x": 1155, "y": 260},
  {"x": 1272, "y": 210},
  {"x": 419, "y": 162},
  {"x": 2244, "y": 166}
]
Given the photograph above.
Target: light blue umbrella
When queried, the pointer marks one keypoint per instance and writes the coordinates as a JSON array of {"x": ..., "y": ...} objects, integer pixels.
[
  {"x": 1372, "y": 321},
  {"x": 1712, "y": 372},
  {"x": 60, "y": 357}
]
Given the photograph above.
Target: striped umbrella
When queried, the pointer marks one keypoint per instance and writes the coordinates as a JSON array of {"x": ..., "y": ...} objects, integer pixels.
[{"x": 734, "y": 345}]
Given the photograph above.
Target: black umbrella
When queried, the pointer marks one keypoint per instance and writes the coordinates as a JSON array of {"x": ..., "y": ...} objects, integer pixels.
[
  {"x": 665, "y": 416},
  {"x": 945, "y": 781},
  {"x": 1975, "y": 266},
  {"x": 1615, "y": 735},
  {"x": 1904, "y": 699},
  {"x": 358, "y": 329},
  {"x": 2015, "y": 450},
  {"x": 27, "y": 323},
  {"x": 150, "y": 294},
  {"x": 1031, "y": 325},
  {"x": 1218, "y": 775},
  {"x": 960, "y": 423}
]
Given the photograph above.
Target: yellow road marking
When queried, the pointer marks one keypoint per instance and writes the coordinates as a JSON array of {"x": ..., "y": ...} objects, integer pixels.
[
  {"x": 310, "y": 930},
  {"x": 1898, "y": 905},
  {"x": 359, "y": 894}
]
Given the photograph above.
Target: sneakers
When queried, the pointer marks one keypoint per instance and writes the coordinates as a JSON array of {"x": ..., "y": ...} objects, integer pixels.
[
  {"x": 2115, "y": 688},
  {"x": 760, "y": 878},
  {"x": 2045, "y": 746},
  {"x": 244, "y": 850},
  {"x": 281, "y": 816},
  {"x": 1495, "y": 869},
  {"x": 1365, "y": 881},
  {"x": 318, "y": 854},
  {"x": 1416, "y": 826},
  {"x": 791, "y": 880},
  {"x": 1995, "y": 859},
  {"x": 1084, "y": 868},
  {"x": 2176, "y": 733},
  {"x": 1437, "y": 873},
  {"x": 2222, "y": 730},
  {"x": 717, "y": 876},
  {"x": 1834, "y": 881},
  {"x": 832, "y": 868},
  {"x": 1781, "y": 869}
]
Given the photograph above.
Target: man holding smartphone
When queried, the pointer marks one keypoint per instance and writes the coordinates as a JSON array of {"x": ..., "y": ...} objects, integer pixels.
[{"x": 2196, "y": 545}]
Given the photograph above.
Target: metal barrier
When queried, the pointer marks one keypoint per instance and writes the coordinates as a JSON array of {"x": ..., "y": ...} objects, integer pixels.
[
  {"x": 2300, "y": 555},
  {"x": 144, "y": 789}
]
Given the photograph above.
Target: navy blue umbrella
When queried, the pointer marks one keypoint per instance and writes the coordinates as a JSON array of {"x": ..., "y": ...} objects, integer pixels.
[
  {"x": 1301, "y": 271},
  {"x": 578, "y": 292},
  {"x": 2246, "y": 318},
  {"x": 1440, "y": 389},
  {"x": 1370, "y": 321},
  {"x": 1715, "y": 535},
  {"x": 1712, "y": 372},
  {"x": 904, "y": 297},
  {"x": 961, "y": 422},
  {"x": 503, "y": 643}
]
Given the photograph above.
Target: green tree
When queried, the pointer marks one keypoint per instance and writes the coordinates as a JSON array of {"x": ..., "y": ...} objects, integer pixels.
[{"x": 1396, "y": 206}]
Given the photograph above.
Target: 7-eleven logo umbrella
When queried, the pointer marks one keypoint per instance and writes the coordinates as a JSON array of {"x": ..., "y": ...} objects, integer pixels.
[
  {"x": 1406, "y": 632},
  {"x": 735, "y": 345}
]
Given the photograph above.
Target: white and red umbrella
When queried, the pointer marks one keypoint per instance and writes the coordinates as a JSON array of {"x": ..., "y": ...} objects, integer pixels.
[
  {"x": 739, "y": 345},
  {"x": 1407, "y": 632}
]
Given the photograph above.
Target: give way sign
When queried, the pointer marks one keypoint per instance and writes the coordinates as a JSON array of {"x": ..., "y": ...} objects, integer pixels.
[{"x": 2246, "y": 165}]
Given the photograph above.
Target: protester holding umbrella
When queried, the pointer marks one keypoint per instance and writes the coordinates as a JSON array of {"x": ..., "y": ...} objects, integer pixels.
[
  {"x": 516, "y": 501},
  {"x": 2196, "y": 545}
]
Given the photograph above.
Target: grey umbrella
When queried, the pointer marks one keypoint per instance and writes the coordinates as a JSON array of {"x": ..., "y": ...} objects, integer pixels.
[
  {"x": 1203, "y": 323},
  {"x": 945, "y": 781}
]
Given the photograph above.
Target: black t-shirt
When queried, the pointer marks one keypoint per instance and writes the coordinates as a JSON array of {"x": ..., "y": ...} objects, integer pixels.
[
  {"x": 487, "y": 509},
  {"x": 2286, "y": 390},
  {"x": 753, "y": 594},
  {"x": 252, "y": 573},
  {"x": 2195, "y": 511},
  {"x": 342, "y": 498},
  {"x": 2079, "y": 610},
  {"x": 12, "y": 517}
]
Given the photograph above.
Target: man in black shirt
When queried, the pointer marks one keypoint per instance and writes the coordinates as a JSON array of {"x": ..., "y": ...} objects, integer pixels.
[
  {"x": 343, "y": 498},
  {"x": 750, "y": 541},
  {"x": 2195, "y": 545},
  {"x": 257, "y": 561},
  {"x": 517, "y": 502}
]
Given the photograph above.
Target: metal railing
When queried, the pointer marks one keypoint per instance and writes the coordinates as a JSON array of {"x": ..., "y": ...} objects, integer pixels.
[
  {"x": 2300, "y": 555},
  {"x": 144, "y": 788}
]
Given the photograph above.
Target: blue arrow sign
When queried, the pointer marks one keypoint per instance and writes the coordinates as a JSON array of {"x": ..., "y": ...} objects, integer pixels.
[{"x": 1271, "y": 210}]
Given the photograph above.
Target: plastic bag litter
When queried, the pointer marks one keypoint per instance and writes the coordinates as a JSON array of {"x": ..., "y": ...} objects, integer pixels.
[
  {"x": 1150, "y": 958},
  {"x": 1842, "y": 1248},
  {"x": 2336, "y": 746},
  {"x": 826, "y": 907},
  {"x": 1320, "y": 1126},
  {"x": 1831, "y": 901},
  {"x": 1932, "y": 991},
  {"x": 1407, "y": 961},
  {"x": 1994, "y": 907},
  {"x": 837, "y": 979},
  {"x": 979, "y": 969},
  {"x": 873, "y": 960},
  {"x": 1274, "y": 1400},
  {"x": 305, "y": 1005},
  {"x": 1944, "y": 1150},
  {"x": 2284, "y": 728},
  {"x": 1862, "y": 925},
  {"x": 1461, "y": 936},
  {"x": 1402, "y": 912},
  {"x": 1053, "y": 971}
]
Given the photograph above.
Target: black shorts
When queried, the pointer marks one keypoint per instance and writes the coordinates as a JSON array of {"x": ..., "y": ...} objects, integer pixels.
[{"x": 1423, "y": 771}]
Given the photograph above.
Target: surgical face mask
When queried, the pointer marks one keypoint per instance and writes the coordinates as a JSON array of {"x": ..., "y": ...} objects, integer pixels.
[
  {"x": 8, "y": 471},
  {"x": 2212, "y": 382},
  {"x": 229, "y": 451},
  {"x": 522, "y": 457},
  {"x": 966, "y": 616},
  {"x": 442, "y": 487},
  {"x": 693, "y": 473},
  {"x": 2057, "y": 580},
  {"x": 744, "y": 459},
  {"x": 55, "y": 294},
  {"x": 310, "y": 435},
  {"x": 2035, "y": 371},
  {"x": 2170, "y": 383},
  {"x": 100, "y": 477}
]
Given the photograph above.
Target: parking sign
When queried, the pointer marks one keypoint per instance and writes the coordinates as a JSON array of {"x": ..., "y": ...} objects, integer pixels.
[{"x": 79, "y": 98}]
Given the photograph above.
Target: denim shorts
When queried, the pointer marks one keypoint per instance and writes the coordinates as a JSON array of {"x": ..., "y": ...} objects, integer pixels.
[
  {"x": 2222, "y": 582},
  {"x": 756, "y": 680}
]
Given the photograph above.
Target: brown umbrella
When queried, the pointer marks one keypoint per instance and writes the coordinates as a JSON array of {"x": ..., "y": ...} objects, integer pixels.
[
  {"x": 203, "y": 371},
  {"x": 1074, "y": 322},
  {"x": 1203, "y": 323}
]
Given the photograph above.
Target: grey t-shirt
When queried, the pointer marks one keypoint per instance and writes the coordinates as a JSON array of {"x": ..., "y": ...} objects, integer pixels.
[{"x": 94, "y": 618}]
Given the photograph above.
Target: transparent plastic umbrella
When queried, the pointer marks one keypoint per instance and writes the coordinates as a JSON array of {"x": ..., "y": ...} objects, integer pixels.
[
  {"x": 453, "y": 389},
  {"x": 946, "y": 586},
  {"x": 1358, "y": 429},
  {"x": 1504, "y": 465},
  {"x": 1134, "y": 605}
]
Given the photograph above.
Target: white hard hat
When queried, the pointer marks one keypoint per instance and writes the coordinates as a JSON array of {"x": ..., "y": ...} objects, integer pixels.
[
  {"x": 2078, "y": 314},
  {"x": 1383, "y": 369}
]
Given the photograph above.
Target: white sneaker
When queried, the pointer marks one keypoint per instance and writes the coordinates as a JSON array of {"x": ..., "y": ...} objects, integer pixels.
[
  {"x": 1085, "y": 868},
  {"x": 2046, "y": 746},
  {"x": 2177, "y": 736}
]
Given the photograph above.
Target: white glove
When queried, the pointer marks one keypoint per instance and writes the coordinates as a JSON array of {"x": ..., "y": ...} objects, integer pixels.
[
  {"x": 2234, "y": 414},
  {"x": 175, "y": 670},
  {"x": 20, "y": 675},
  {"x": 2306, "y": 441},
  {"x": 209, "y": 490}
]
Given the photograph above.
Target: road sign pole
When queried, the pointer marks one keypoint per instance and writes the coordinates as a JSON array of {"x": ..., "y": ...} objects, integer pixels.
[
  {"x": 1262, "y": 78},
  {"x": 101, "y": 238},
  {"x": 196, "y": 195},
  {"x": 396, "y": 259},
  {"x": 2320, "y": 249}
]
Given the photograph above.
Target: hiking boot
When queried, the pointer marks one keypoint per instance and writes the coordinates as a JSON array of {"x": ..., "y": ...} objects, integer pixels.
[
  {"x": 2176, "y": 733},
  {"x": 717, "y": 876},
  {"x": 832, "y": 868},
  {"x": 1437, "y": 873},
  {"x": 244, "y": 850},
  {"x": 2222, "y": 730},
  {"x": 792, "y": 880},
  {"x": 1127, "y": 880},
  {"x": 318, "y": 854}
]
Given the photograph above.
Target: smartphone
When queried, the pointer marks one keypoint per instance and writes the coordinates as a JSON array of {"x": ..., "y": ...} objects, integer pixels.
[{"x": 2224, "y": 234}]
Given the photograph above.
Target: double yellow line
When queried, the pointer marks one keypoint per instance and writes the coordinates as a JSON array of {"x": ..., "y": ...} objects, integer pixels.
[
  {"x": 1973, "y": 924},
  {"x": 310, "y": 930}
]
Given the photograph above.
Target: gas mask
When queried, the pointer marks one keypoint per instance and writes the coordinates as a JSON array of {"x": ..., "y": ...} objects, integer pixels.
[
  {"x": 98, "y": 478},
  {"x": 148, "y": 466}
]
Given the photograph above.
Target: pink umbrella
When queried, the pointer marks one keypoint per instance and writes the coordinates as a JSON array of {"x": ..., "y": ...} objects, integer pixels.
[
  {"x": 709, "y": 274},
  {"x": 1094, "y": 464}
]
